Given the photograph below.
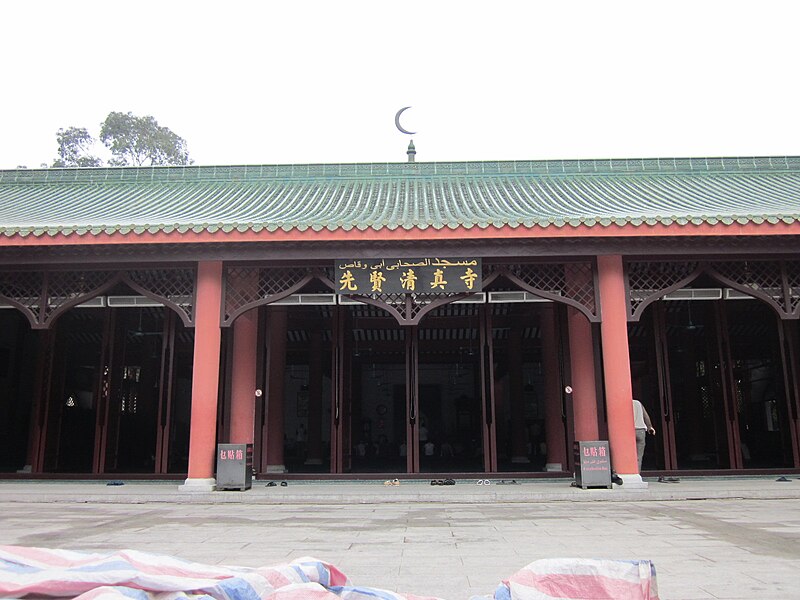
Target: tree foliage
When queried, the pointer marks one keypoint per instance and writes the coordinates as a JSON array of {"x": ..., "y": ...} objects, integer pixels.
[
  {"x": 74, "y": 148},
  {"x": 133, "y": 141},
  {"x": 141, "y": 141}
]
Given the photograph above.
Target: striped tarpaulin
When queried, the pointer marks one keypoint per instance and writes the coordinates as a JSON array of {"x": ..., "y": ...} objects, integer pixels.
[
  {"x": 42, "y": 572},
  {"x": 581, "y": 579},
  {"x": 144, "y": 576}
]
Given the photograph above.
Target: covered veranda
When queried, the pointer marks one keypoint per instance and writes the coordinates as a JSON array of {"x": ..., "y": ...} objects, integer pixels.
[{"x": 134, "y": 348}]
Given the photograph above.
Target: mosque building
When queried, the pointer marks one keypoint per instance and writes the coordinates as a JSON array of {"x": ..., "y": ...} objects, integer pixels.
[{"x": 410, "y": 319}]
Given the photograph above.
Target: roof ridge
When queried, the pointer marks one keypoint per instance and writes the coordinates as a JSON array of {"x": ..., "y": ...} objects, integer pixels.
[{"x": 226, "y": 173}]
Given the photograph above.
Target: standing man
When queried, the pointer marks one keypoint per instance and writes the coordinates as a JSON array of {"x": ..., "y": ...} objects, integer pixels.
[{"x": 643, "y": 426}]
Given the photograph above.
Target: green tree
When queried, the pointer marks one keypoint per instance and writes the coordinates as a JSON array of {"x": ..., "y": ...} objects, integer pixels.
[
  {"x": 141, "y": 141},
  {"x": 74, "y": 147}
]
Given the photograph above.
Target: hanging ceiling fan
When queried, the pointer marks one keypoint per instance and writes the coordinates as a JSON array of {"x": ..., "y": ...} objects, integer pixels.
[
  {"x": 691, "y": 325},
  {"x": 139, "y": 331}
]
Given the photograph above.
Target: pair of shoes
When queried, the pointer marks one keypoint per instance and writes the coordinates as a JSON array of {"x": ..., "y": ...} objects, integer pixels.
[
  {"x": 392, "y": 482},
  {"x": 271, "y": 484},
  {"x": 616, "y": 479},
  {"x": 484, "y": 482},
  {"x": 778, "y": 479},
  {"x": 449, "y": 482},
  {"x": 506, "y": 482},
  {"x": 284, "y": 484},
  {"x": 669, "y": 480},
  {"x": 437, "y": 482}
]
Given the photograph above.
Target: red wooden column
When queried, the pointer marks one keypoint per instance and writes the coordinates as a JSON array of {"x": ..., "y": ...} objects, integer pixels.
[
  {"x": 276, "y": 366},
  {"x": 584, "y": 392},
  {"x": 554, "y": 434},
  {"x": 617, "y": 370},
  {"x": 243, "y": 378},
  {"x": 205, "y": 378},
  {"x": 581, "y": 353}
]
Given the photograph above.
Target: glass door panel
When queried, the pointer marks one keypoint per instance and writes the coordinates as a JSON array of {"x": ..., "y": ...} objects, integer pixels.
[
  {"x": 697, "y": 387},
  {"x": 377, "y": 401},
  {"x": 132, "y": 419},
  {"x": 76, "y": 392},
  {"x": 761, "y": 407},
  {"x": 450, "y": 421}
]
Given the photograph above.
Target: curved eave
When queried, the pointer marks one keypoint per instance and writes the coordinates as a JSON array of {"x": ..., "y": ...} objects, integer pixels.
[{"x": 584, "y": 228}]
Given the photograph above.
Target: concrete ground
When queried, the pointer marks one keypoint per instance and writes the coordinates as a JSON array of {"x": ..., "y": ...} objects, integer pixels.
[{"x": 709, "y": 538}]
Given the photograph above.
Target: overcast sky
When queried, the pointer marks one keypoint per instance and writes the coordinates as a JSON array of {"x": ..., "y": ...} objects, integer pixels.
[{"x": 307, "y": 82}]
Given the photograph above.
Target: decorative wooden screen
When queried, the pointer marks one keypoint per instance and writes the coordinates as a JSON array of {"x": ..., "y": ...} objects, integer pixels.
[
  {"x": 246, "y": 287},
  {"x": 570, "y": 283},
  {"x": 409, "y": 309},
  {"x": 43, "y": 295},
  {"x": 648, "y": 281},
  {"x": 776, "y": 282}
]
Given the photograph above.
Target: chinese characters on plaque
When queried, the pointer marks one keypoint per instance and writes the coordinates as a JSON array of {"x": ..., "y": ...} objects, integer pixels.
[{"x": 408, "y": 276}]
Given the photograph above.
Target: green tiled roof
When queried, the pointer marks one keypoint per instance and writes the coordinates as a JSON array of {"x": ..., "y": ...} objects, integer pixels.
[{"x": 400, "y": 195}]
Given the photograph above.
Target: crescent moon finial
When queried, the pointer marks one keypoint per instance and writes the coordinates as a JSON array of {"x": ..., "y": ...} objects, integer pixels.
[{"x": 397, "y": 121}]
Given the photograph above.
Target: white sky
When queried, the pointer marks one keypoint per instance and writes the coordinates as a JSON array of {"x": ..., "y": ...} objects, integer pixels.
[{"x": 306, "y": 82}]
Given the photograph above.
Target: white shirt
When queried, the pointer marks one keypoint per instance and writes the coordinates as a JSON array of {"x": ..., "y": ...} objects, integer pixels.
[{"x": 638, "y": 415}]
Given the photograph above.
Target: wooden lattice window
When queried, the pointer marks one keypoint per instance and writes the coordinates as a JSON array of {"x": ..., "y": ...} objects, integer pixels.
[
  {"x": 246, "y": 287},
  {"x": 45, "y": 294},
  {"x": 775, "y": 281}
]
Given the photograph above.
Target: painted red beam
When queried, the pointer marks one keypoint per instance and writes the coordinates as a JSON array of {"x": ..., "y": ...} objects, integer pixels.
[{"x": 430, "y": 234}]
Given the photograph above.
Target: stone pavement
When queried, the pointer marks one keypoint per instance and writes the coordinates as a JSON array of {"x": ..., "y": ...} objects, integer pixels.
[{"x": 719, "y": 538}]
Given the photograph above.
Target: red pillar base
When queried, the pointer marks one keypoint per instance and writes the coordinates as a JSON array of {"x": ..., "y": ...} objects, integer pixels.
[
  {"x": 633, "y": 481},
  {"x": 198, "y": 484}
]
